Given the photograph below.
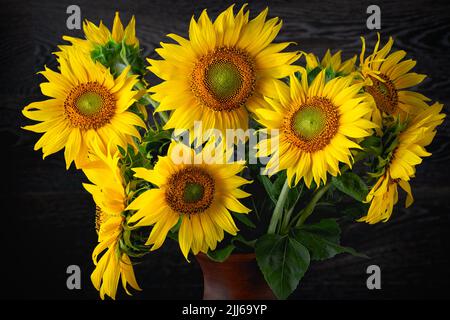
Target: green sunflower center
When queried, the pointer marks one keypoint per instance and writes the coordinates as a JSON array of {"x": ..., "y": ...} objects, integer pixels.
[
  {"x": 190, "y": 190},
  {"x": 193, "y": 192},
  {"x": 309, "y": 122},
  {"x": 383, "y": 89},
  {"x": 223, "y": 79},
  {"x": 89, "y": 103},
  {"x": 311, "y": 126}
]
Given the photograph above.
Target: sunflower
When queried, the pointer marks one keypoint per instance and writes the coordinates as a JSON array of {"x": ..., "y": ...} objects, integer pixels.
[
  {"x": 409, "y": 152},
  {"x": 100, "y": 35},
  {"x": 87, "y": 106},
  {"x": 221, "y": 71},
  {"x": 199, "y": 194},
  {"x": 108, "y": 191},
  {"x": 333, "y": 63},
  {"x": 317, "y": 125},
  {"x": 386, "y": 78}
]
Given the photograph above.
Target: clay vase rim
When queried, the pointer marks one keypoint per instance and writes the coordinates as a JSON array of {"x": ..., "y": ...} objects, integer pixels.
[{"x": 234, "y": 257}]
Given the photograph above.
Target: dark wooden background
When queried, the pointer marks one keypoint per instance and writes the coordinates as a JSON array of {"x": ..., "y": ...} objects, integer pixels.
[{"x": 47, "y": 218}]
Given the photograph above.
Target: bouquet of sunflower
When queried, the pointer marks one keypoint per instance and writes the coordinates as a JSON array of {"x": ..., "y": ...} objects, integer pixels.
[{"x": 244, "y": 143}]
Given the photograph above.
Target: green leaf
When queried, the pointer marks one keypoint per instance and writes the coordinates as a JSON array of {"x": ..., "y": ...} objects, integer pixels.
[
  {"x": 352, "y": 185},
  {"x": 220, "y": 255},
  {"x": 354, "y": 211},
  {"x": 278, "y": 185},
  {"x": 326, "y": 228},
  {"x": 372, "y": 145},
  {"x": 293, "y": 196},
  {"x": 240, "y": 239},
  {"x": 244, "y": 219},
  {"x": 268, "y": 186},
  {"x": 283, "y": 262},
  {"x": 322, "y": 240},
  {"x": 273, "y": 189}
]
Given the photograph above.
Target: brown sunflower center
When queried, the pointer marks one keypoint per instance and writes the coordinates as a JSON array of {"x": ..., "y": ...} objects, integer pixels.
[
  {"x": 311, "y": 126},
  {"x": 190, "y": 190},
  {"x": 384, "y": 93},
  {"x": 89, "y": 106},
  {"x": 224, "y": 79}
]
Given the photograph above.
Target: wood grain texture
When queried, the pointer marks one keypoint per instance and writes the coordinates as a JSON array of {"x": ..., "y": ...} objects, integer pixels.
[{"x": 48, "y": 221}]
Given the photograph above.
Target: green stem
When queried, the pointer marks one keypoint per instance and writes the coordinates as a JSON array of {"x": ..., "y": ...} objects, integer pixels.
[
  {"x": 163, "y": 116},
  {"x": 141, "y": 86},
  {"x": 286, "y": 220},
  {"x": 279, "y": 207},
  {"x": 157, "y": 125},
  {"x": 309, "y": 209},
  {"x": 285, "y": 224}
]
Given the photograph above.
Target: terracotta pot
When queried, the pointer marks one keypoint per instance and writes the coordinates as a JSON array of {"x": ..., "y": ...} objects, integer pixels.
[{"x": 238, "y": 278}]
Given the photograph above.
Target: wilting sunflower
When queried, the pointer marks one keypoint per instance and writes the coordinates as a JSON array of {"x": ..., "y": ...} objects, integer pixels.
[
  {"x": 317, "y": 125},
  {"x": 87, "y": 106},
  {"x": 331, "y": 62},
  {"x": 409, "y": 152},
  {"x": 386, "y": 78},
  {"x": 108, "y": 191},
  {"x": 100, "y": 35},
  {"x": 221, "y": 71},
  {"x": 199, "y": 194}
]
